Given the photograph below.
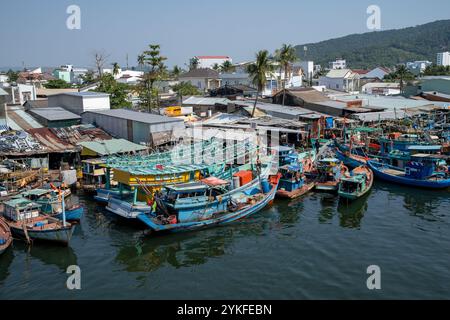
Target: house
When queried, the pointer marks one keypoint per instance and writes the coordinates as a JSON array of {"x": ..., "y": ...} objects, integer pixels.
[
  {"x": 204, "y": 79},
  {"x": 418, "y": 67},
  {"x": 307, "y": 68},
  {"x": 341, "y": 80},
  {"x": 208, "y": 62},
  {"x": 381, "y": 88},
  {"x": 378, "y": 73},
  {"x": 338, "y": 64},
  {"x": 21, "y": 93},
  {"x": 79, "y": 102},
  {"x": 207, "y": 106},
  {"x": 233, "y": 91},
  {"x": 235, "y": 78},
  {"x": 138, "y": 127}
]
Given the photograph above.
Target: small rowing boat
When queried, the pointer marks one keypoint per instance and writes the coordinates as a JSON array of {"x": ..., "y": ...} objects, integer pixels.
[{"x": 5, "y": 236}]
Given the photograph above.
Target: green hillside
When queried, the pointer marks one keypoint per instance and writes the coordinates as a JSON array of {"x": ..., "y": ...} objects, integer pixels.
[{"x": 383, "y": 48}]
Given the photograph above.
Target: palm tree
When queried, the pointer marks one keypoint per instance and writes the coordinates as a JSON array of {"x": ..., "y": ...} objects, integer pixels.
[
  {"x": 402, "y": 73},
  {"x": 176, "y": 71},
  {"x": 141, "y": 60},
  {"x": 216, "y": 67},
  {"x": 116, "y": 69},
  {"x": 286, "y": 56},
  {"x": 227, "y": 66},
  {"x": 194, "y": 63},
  {"x": 258, "y": 73}
]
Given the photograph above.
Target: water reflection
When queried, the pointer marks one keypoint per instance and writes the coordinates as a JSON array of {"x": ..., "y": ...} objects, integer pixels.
[
  {"x": 59, "y": 256},
  {"x": 351, "y": 213},
  {"x": 5, "y": 261},
  {"x": 328, "y": 204},
  {"x": 422, "y": 203}
]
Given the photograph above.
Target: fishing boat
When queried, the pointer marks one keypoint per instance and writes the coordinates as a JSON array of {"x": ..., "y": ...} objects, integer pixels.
[
  {"x": 329, "y": 173},
  {"x": 293, "y": 182},
  {"x": 357, "y": 184},
  {"x": 52, "y": 205},
  {"x": 198, "y": 205},
  {"x": 421, "y": 171},
  {"x": 351, "y": 160},
  {"x": 5, "y": 236},
  {"x": 26, "y": 221}
]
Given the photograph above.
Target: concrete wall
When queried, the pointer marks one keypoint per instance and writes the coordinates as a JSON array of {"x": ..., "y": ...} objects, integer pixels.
[{"x": 79, "y": 104}]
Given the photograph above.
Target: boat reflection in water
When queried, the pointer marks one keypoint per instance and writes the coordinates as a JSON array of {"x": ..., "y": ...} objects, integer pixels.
[{"x": 352, "y": 213}]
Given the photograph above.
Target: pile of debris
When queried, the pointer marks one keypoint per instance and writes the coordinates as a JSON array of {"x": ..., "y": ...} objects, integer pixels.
[{"x": 18, "y": 142}]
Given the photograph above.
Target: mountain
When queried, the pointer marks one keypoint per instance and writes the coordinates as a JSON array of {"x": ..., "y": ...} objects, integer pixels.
[{"x": 382, "y": 48}]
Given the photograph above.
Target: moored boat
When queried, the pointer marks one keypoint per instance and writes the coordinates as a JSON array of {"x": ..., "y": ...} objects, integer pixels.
[
  {"x": 419, "y": 172},
  {"x": 293, "y": 182},
  {"x": 357, "y": 184},
  {"x": 25, "y": 220},
  {"x": 329, "y": 173},
  {"x": 5, "y": 236},
  {"x": 191, "y": 208}
]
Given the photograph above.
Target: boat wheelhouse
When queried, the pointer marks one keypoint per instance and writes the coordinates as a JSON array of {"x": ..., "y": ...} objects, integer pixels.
[{"x": 329, "y": 173}]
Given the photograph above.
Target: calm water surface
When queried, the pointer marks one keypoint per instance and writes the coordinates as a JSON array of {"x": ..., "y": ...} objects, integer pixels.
[{"x": 315, "y": 247}]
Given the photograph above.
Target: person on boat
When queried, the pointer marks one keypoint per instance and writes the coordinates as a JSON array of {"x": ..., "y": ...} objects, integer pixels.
[{"x": 317, "y": 145}]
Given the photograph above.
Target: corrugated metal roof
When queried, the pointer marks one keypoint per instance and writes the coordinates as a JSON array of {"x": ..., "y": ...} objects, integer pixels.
[
  {"x": 50, "y": 141},
  {"x": 110, "y": 147},
  {"x": 205, "y": 101},
  {"x": 143, "y": 117},
  {"x": 54, "y": 114}
]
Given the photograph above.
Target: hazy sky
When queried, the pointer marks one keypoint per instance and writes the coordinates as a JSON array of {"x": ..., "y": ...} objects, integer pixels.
[{"x": 35, "y": 32}]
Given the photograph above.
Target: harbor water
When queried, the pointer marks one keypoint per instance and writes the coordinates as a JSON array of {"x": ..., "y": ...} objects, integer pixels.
[{"x": 315, "y": 247}]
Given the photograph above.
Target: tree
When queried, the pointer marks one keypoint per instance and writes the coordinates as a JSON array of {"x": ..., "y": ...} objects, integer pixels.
[
  {"x": 216, "y": 67},
  {"x": 12, "y": 75},
  {"x": 227, "y": 66},
  {"x": 185, "y": 89},
  {"x": 157, "y": 71},
  {"x": 57, "y": 84},
  {"x": 116, "y": 69},
  {"x": 286, "y": 56},
  {"x": 435, "y": 70},
  {"x": 258, "y": 72},
  {"x": 141, "y": 61},
  {"x": 402, "y": 74},
  {"x": 88, "y": 78},
  {"x": 100, "y": 59},
  {"x": 176, "y": 71},
  {"x": 194, "y": 63},
  {"x": 118, "y": 91}
]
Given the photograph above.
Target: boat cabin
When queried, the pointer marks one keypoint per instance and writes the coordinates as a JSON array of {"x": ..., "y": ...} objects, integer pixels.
[
  {"x": 291, "y": 177},
  {"x": 94, "y": 172},
  {"x": 21, "y": 209},
  {"x": 286, "y": 155}
]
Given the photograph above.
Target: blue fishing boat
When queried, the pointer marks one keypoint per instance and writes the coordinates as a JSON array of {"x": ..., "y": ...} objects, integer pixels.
[
  {"x": 26, "y": 221},
  {"x": 5, "y": 236},
  {"x": 419, "y": 172},
  {"x": 349, "y": 159},
  {"x": 194, "y": 206}
]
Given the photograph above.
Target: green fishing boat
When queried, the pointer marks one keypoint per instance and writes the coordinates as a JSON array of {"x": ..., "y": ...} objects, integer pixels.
[{"x": 357, "y": 184}]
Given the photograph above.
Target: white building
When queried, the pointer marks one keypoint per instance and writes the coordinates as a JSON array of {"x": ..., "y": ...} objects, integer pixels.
[
  {"x": 202, "y": 78},
  {"x": 210, "y": 61},
  {"x": 22, "y": 93},
  {"x": 443, "y": 59},
  {"x": 3, "y": 78},
  {"x": 80, "y": 102},
  {"x": 235, "y": 78},
  {"x": 341, "y": 80},
  {"x": 338, "y": 64},
  {"x": 308, "y": 69},
  {"x": 381, "y": 88},
  {"x": 418, "y": 67}
]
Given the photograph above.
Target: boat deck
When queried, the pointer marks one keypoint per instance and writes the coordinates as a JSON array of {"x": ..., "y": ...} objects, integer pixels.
[{"x": 394, "y": 172}]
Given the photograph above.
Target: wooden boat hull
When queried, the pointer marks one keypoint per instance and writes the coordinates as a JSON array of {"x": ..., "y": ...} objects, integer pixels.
[
  {"x": 350, "y": 161},
  {"x": 61, "y": 236},
  {"x": 5, "y": 235},
  {"x": 377, "y": 168},
  {"x": 73, "y": 214},
  {"x": 356, "y": 195},
  {"x": 224, "y": 219},
  {"x": 296, "y": 193},
  {"x": 327, "y": 186}
]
